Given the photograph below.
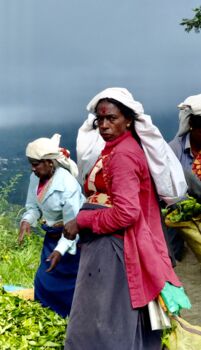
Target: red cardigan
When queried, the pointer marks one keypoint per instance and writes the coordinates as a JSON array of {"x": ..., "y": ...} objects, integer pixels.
[{"x": 135, "y": 208}]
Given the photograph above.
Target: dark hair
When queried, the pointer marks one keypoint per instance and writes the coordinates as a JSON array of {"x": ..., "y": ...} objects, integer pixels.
[
  {"x": 195, "y": 121},
  {"x": 127, "y": 112}
]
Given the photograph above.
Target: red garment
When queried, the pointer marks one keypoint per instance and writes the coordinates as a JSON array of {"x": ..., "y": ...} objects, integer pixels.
[
  {"x": 41, "y": 186},
  {"x": 135, "y": 208}
]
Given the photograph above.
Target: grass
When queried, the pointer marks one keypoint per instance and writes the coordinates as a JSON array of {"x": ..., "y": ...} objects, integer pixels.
[
  {"x": 24, "y": 324},
  {"x": 18, "y": 264}
]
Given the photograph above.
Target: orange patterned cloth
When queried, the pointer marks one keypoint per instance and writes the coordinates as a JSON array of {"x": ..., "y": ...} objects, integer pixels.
[
  {"x": 100, "y": 198},
  {"x": 95, "y": 186},
  {"x": 196, "y": 166}
]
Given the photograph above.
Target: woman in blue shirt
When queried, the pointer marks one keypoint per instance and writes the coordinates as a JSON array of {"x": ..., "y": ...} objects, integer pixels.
[{"x": 54, "y": 196}]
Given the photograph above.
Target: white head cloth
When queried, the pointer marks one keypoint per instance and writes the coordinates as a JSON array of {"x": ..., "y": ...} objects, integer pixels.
[
  {"x": 119, "y": 94},
  {"x": 191, "y": 105},
  {"x": 164, "y": 166},
  {"x": 45, "y": 148},
  {"x": 89, "y": 141}
]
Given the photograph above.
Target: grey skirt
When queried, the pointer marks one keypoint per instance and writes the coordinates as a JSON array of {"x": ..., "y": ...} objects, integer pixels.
[{"x": 102, "y": 317}]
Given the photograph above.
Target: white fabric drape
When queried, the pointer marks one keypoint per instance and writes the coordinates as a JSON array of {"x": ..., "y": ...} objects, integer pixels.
[
  {"x": 191, "y": 105},
  {"x": 164, "y": 166}
]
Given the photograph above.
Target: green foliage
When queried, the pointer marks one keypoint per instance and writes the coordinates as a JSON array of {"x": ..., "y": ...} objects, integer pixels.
[
  {"x": 24, "y": 324},
  {"x": 5, "y": 189},
  {"x": 18, "y": 264},
  {"x": 27, "y": 325},
  {"x": 166, "y": 336},
  {"x": 194, "y": 23},
  {"x": 185, "y": 210}
]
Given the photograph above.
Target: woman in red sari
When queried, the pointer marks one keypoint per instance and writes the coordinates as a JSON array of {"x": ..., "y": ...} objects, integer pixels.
[{"x": 124, "y": 259}]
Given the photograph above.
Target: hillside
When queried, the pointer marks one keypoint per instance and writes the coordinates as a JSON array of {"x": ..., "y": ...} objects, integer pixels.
[
  {"x": 13, "y": 142},
  {"x": 13, "y": 161}
]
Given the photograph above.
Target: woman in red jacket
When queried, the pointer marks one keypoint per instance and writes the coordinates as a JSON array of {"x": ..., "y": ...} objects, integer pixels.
[{"x": 124, "y": 260}]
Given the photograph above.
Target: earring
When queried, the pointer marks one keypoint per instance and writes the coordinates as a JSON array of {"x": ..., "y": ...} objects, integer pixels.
[
  {"x": 191, "y": 128},
  {"x": 128, "y": 126}
]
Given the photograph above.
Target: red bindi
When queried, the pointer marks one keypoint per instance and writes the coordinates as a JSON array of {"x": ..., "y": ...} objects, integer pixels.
[{"x": 103, "y": 110}]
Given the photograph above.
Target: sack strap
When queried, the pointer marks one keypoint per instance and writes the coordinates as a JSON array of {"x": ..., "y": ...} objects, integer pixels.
[{"x": 185, "y": 327}]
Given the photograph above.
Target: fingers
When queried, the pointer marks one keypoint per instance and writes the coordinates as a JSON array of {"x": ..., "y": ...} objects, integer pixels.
[
  {"x": 54, "y": 259},
  {"x": 28, "y": 232},
  {"x": 25, "y": 228},
  {"x": 21, "y": 237},
  {"x": 52, "y": 266},
  {"x": 69, "y": 235},
  {"x": 65, "y": 231},
  {"x": 70, "y": 229}
]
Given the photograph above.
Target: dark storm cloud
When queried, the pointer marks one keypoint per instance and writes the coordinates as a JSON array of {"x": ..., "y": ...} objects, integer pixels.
[{"x": 55, "y": 55}]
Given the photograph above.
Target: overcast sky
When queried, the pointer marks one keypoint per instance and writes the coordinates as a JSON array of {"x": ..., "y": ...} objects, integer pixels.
[{"x": 55, "y": 55}]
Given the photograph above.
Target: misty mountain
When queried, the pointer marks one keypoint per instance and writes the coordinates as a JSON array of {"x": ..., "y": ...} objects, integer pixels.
[{"x": 13, "y": 143}]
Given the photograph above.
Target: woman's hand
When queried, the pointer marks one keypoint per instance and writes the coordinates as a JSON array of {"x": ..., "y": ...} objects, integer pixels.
[
  {"x": 70, "y": 229},
  {"x": 25, "y": 228},
  {"x": 54, "y": 259}
]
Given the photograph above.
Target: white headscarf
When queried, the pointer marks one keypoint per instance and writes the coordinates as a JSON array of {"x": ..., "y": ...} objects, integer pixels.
[
  {"x": 164, "y": 166},
  {"x": 191, "y": 105},
  {"x": 119, "y": 94},
  {"x": 45, "y": 148},
  {"x": 89, "y": 141}
]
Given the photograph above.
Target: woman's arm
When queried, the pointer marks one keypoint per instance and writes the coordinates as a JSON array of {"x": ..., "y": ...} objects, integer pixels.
[
  {"x": 33, "y": 212},
  {"x": 72, "y": 201},
  {"x": 25, "y": 228}
]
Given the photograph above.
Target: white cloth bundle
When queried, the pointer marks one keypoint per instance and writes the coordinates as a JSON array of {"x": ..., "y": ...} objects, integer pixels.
[
  {"x": 191, "y": 105},
  {"x": 45, "y": 148},
  {"x": 89, "y": 146},
  {"x": 164, "y": 166}
]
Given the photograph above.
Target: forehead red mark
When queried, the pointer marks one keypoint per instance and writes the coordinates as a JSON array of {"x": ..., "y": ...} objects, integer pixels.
[{"x": 103, "y": 110}]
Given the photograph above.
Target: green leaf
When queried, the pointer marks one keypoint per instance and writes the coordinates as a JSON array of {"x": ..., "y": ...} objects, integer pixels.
[{"x": 193, "y": 23}]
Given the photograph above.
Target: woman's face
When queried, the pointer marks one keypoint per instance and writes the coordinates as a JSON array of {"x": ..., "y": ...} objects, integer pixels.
[
  {"x": 111, "y": 122},
  {"x": 42, "y": 168}
]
